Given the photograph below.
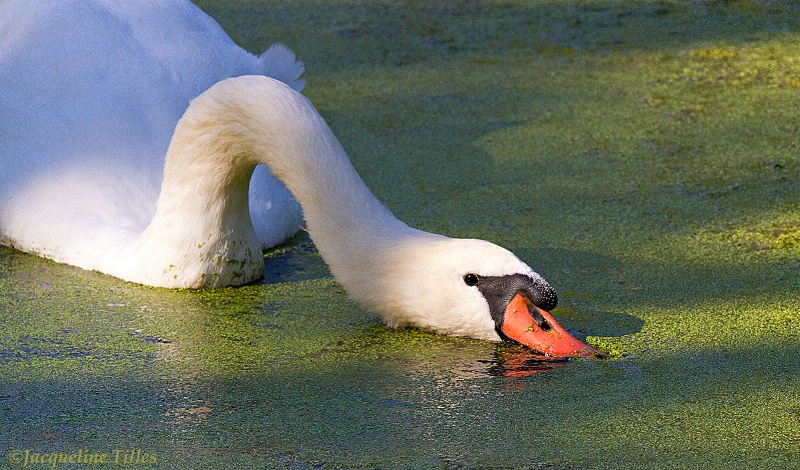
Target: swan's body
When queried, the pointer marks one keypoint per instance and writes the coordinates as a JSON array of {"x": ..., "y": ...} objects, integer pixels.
[
  {"x": 90, "y": 93},
  {"x": 201, "y": 234}
]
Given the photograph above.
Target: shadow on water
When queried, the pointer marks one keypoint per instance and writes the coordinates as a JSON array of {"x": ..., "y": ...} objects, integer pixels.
[
  {"x": 288, "y": 374},
  {"x": 348, "y": 412},
  {"x": 227, "y": 389},
  {"x": 294, "y": 260},
  {"x": 374, "y": 34}
]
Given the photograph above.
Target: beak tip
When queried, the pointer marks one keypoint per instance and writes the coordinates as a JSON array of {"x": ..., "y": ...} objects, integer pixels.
[
  {"x": 592, "y": 352},
  {"x": 575, "y": 350},
  {"x": 519, "y": 325}
]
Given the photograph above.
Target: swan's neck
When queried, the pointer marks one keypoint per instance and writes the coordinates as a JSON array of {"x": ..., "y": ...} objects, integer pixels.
[{"x": 202, "y": 235}]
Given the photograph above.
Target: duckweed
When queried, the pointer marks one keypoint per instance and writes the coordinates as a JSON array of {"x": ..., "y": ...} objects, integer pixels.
[{"x": 640, "y": 155}]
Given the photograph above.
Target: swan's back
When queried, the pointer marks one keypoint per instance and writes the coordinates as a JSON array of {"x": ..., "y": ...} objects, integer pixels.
[{"x": 90, "y": 92}]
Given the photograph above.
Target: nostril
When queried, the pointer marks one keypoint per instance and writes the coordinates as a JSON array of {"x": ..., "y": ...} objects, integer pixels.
[
  {"x": 544, "y": 325},
  {"x": 540, "y": 320}
]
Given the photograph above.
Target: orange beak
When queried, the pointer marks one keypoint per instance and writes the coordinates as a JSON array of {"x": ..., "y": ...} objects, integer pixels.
[{"x": 550, "y": 338}]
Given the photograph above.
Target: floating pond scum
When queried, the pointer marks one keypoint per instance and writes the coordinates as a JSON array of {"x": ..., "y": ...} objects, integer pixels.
[{"x": 642, "y": 156}]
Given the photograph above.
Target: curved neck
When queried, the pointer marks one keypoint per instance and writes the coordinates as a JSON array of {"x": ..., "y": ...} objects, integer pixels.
[{"x": 203, "y": 206}]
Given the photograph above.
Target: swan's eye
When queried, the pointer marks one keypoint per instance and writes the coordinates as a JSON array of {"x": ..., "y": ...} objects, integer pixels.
[{"x": 471, "y": 279}]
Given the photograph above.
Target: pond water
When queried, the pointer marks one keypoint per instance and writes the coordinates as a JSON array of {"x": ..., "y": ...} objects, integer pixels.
[
  {"x": 640, "y": 155},
  {"x": 293, "y": 375}
]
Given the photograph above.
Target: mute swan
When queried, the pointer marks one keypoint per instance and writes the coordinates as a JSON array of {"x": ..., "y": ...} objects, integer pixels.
[
  {"x": 201, "y": 233},
  {"x": 90, "y": 92}
]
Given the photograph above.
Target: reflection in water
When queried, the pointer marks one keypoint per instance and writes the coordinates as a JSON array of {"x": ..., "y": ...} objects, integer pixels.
[
  {"x": 190, "y": 415},
  {"x": 517, "y": 361}
]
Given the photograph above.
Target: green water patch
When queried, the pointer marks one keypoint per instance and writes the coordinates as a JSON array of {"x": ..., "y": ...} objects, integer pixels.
[{"x": 641, "y": 155}]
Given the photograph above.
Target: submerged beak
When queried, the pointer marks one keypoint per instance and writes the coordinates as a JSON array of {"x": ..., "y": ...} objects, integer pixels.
[{"x": 527, "y": 324}]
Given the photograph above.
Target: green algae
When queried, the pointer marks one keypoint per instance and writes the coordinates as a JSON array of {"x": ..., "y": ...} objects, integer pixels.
[{"x": 641, "y": 155}]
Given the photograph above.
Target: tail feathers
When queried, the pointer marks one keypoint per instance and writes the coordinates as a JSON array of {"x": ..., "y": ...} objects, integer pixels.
[{"x": 280, "y": 63}]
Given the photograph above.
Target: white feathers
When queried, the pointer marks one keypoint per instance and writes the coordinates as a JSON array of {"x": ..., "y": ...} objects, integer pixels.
[
  {"x": 424, "y": 274},
  {"x": 90, "y": 94},
  {"x": 280, "y": 63}
]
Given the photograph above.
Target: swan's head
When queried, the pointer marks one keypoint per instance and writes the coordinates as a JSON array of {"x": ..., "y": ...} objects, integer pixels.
[{"x": 469, "y": 288}]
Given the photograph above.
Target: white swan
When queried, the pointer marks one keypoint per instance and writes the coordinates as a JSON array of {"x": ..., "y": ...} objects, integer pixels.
[
  {"x": 90, "y": 93},
  {"x": 201, "y": 232}
]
